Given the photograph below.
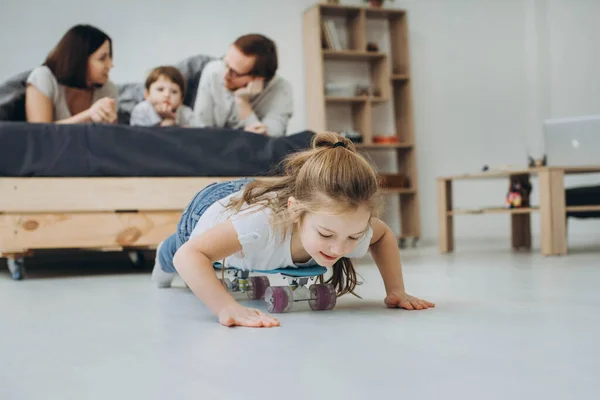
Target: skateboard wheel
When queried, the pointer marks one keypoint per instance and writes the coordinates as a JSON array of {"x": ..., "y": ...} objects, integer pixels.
[
  {"x": 257, "y": 287},
  {"x": 279, "y": 299},
  {"x": 322, "y": 297},
  {"x": 226, "y": 283}
]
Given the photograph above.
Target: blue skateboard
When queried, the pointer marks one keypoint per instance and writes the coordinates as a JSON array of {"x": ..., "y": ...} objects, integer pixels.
[{"x": 280, "y": 299}]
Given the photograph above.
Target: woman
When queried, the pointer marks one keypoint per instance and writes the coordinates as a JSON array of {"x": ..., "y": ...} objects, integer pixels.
[{"x": 72, "y": 85}]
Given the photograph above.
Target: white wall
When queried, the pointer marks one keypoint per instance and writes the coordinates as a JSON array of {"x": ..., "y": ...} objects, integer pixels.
[
  {"x": 485, "y": 73},
  {"x": 575, "y": 57},
  {"x": 573, "y": 79}
]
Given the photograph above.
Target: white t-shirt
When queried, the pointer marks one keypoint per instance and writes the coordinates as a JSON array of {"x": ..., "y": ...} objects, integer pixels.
[
  {"x": 263, "y": 247},
  {"x": 44, "y": 80}
]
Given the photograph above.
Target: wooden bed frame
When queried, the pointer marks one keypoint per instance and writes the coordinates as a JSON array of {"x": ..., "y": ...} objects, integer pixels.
[{"x": 90, "y": 213}]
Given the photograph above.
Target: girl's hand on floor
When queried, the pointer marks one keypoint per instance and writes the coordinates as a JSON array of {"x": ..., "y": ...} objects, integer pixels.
[
  {"x": 403, "y": 300},
  {"x": 238, "y": 315}
]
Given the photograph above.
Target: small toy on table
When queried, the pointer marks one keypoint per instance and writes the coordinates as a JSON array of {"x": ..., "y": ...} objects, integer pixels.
[{"x": 518, "y": 194}]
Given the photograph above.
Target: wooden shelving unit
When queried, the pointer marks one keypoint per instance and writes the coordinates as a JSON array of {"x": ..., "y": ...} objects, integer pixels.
[
  {"x": 384, "y": 146},
  {"x": 389, "y": 76},
  {"x": 352, "y": 55},
  {"x": 493, "y": 210}
]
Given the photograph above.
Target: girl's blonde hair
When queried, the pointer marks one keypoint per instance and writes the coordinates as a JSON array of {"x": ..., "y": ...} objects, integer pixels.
[{"x": 330, "y": 175}]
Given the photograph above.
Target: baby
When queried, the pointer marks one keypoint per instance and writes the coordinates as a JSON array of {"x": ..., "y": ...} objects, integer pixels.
[{"x": 165, "y": 88}]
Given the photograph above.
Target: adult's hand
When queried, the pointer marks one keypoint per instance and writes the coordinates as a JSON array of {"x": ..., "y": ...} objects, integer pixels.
[
  {"x": 103, "y": 111},
  {"x": 260, "y": 129}
]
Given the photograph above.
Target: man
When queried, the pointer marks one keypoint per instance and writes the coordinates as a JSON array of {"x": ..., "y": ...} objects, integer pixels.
[{"x": 241, "y": 91}]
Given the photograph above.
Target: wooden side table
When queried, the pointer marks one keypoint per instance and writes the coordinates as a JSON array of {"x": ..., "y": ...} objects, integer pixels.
[{"x": 552, "y": 208}]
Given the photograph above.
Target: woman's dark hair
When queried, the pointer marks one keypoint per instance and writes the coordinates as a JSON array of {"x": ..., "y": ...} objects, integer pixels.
[{"x": 68, "y": 61}]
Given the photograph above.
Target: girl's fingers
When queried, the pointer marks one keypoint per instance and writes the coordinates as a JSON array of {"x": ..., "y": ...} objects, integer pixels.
[
  {"x": 271, "y": 321},
  {"x": 228, "y": 322},
  {"x": 425, "y": 303},
  {"x": 250, "y": 322},
  {"x": 267, "y": 319},
  {"x": 257, "y": 319}
]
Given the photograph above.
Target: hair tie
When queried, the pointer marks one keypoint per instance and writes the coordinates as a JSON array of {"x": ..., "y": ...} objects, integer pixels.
[{"x": 338, "y": 144}]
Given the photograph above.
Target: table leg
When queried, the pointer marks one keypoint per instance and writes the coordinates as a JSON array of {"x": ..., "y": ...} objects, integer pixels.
[
  {"x": 553, "y": 212},
  {"x": 445, "y": 221},
  {"x": 521, "y": 223},
  {"x": 521, "y": 231}
]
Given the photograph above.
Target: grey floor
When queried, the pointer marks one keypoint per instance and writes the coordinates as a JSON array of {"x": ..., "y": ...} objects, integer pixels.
[{"x": 506, "y": 326}]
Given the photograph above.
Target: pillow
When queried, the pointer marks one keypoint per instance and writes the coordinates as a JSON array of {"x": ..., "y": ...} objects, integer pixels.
[
  {"x": 192, "y": 68},
  {"x": 12, "y": 97}
]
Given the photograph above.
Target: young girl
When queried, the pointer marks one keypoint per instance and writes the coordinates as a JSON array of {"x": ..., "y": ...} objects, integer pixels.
[{"x": 322, "y": 211}]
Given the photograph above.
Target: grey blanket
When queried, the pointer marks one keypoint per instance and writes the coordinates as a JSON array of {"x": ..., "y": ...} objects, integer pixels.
[
  {"x": 12, "y": 91},
  {"x": 58, "y": 150}
]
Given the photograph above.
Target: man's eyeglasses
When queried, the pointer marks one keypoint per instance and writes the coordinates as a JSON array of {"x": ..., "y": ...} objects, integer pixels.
[{"x": 233, "y": 73}]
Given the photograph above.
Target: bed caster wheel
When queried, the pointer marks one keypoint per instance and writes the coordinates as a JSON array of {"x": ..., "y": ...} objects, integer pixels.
[
  {"x": 257, "y": 287},
  {"x": 415, "y": 242},
  {"x": 137, "y": 259},
  {"x": 402, "y": 243},
  {"x": 279, "y": 299},
  {"x": 322, "y": 297},
  {"x": 16, "y": 266}
]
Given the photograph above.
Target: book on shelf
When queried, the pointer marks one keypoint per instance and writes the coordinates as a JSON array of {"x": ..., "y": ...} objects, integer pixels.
[
  {"x": 331, "y": 35},
  {"x": 326, "y": 39}
]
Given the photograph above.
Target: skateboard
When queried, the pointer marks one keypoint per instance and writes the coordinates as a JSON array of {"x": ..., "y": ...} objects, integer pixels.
[{"x": 280, "y": 299}]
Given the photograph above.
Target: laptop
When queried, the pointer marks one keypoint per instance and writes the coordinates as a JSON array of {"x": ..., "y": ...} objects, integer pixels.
[{"x": 572, "y": 142}]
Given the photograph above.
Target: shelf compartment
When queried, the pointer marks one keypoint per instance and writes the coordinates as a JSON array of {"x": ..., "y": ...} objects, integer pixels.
[
  {"x": 492, "y": 210},
  {"x": 384, "y": 146},
  {"x": 352, "y": 55}
]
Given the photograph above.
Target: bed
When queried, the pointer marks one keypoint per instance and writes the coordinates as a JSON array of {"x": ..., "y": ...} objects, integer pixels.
[{"x": 115, "y": 187}]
